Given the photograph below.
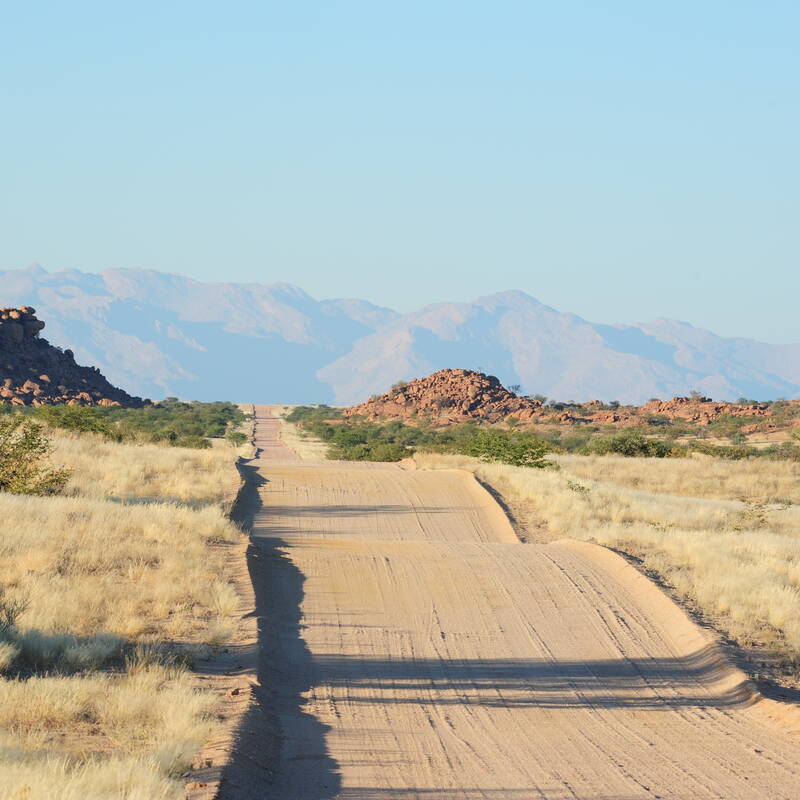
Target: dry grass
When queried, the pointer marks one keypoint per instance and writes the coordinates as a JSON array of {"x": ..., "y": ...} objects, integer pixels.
[
  {"x": 108, "y": 592},
  {"x": 755, "y": 479},
  {"x": 307, "y": 447},
  {"x": 102, "y": 469},
  {"x": 737, "y": 561}
]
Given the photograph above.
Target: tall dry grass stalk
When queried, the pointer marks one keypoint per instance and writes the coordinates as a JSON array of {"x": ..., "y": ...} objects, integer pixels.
[
  {"x": 106, "y": 593},
  {"x": 738, "y": 561}
]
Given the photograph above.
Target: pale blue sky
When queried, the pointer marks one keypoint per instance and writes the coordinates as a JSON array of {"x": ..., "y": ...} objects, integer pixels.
[{"x": 622, "y": 160}]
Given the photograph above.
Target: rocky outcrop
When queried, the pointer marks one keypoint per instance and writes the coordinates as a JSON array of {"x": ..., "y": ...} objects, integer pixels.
[
  {"x": 449, "y": 396},
  {"x": 459, "y": 395},
  {"x": 34, "y": 372},
  {"x": 701, "y": 410}
]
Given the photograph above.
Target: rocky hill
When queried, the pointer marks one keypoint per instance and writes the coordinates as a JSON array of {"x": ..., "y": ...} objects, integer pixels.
[
  {"x": 448, "y": 396},
  {"x": 33, "y": 372}
]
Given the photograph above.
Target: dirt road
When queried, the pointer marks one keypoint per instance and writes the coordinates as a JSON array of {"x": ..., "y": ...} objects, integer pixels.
[{"x": 413, "y": 648}]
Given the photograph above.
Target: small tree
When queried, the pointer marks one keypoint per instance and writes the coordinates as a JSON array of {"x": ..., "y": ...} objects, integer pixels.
[
  {"x": 508, "y": 448},
  {"x": 24, "y": 448}
]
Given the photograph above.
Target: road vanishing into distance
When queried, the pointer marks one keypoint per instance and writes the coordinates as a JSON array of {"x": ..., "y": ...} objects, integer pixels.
[{"x": 412, "y": 647}]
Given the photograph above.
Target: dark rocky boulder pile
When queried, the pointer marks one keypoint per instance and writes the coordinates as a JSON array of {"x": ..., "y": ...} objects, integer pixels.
[{"x": 34, "y": 372}]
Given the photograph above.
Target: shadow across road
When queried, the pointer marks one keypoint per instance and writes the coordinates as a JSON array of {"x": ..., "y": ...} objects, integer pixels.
[
  {"x": 281, "y": 750},
  {"x": 658, "y": 684}
]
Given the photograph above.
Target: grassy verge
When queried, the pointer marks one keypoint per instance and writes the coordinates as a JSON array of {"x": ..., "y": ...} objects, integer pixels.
[{"x": 110, "y": 591}]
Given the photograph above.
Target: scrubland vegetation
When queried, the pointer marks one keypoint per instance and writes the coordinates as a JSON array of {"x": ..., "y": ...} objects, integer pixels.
[
  {"x": 109, "y": 590},
  {"x": 169, "y": 422},
  {"x": 354, "y": 439}
]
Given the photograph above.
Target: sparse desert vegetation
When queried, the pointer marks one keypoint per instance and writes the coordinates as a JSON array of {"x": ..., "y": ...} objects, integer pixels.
[
  {"x": 321, "y": 430},
  {"x": 108, "y": 592},
  {"x": 170, "y": 422},
  {"x": 353, "y": 437}
]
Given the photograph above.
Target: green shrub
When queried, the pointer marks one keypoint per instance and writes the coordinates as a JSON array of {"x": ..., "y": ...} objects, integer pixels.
[
  {"x": 508, "y": 448},
  {"x": 24, "y": 448},
  {"x": 308, "y": 414},
  {"x": 630, "y": 444},
  {"x": 193, "y": 442},
  {"x": 389, "y": 452},
  {"x": 236, "y": 438},
  {"x": 732, "y": 452},
  {"x": 78, "y": 419}
]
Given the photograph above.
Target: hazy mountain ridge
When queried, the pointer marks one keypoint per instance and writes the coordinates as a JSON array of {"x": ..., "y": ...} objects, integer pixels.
[{"x": 160, "y": 334}]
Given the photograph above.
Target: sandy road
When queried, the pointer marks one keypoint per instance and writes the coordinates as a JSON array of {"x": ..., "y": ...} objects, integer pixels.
[{"x": 413, "y": 648}]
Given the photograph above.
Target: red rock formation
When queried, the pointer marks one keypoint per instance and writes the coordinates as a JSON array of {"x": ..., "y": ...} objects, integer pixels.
[
  {"x": 448, "y": 396},
  {"x": 701, "y": 410},
  {"x": 458, "y": 395},
  {"x": 33, "y": 372}
]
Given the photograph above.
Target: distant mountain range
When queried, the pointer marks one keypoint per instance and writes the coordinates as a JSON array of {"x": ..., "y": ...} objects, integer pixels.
[{"x": 157, "y": 334}]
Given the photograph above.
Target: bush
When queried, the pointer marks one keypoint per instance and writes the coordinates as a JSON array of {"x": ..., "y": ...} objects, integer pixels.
[
  {"x": 307, "y": 414},
  {"x": 193, "y": 442},
  {"x": 353, "y": 439},
  {"x": 24, "y": 448},
  {"x": 236, "y": 438},
  {"x": 508, "y": 448},
  {"x": 78, "y": 419},
  {"x": 732, "y": 452},
  {"x": 630, "y": 444},
  {"x": 389, "y": 452}
]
